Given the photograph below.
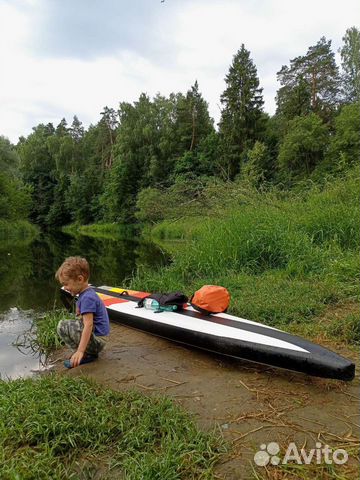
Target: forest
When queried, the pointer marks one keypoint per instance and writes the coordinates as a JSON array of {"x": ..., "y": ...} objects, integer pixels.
[{"x": 146, "y": 161}]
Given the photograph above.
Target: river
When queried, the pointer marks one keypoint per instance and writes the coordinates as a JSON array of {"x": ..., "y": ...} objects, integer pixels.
[{"x": 28, "y": 286}]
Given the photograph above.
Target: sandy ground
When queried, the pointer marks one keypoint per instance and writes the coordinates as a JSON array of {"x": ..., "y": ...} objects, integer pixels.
[{"x": 251, "y": 404}]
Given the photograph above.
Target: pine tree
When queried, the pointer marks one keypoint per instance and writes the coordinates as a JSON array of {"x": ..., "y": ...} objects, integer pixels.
[
  {"x": 240, "y": 123},
  {"x": 107, "y": 130},
  {"x": 312, "y": 82},
  {"x": 193, "y": 121}
]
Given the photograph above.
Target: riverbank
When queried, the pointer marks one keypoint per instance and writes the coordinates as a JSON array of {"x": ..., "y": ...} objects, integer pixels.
[
  {"x": 101, "y": 230},
  {"x": 17, "y": 231}
]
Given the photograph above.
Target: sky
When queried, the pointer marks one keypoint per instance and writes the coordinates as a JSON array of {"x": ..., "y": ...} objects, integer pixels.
[{"x": 60, "y": 58}]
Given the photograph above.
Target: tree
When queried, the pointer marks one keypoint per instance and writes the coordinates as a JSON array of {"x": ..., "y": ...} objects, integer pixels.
[
  {"x": 9, "y": 159},
  {"x": 76, "y": 130},
  {"x": 241, "y": 117},
  {"x": 345, "y": 144},
  {"x": 193, "y": 121},
  {"x": 110, "y": 122},
  {"x": 350, "y": 56},
  {"x": 151, "y": 138},
  {"x": 310, "y": 83},
  {"x": 303, "y": 147},
  {"x": 294, "y": 100},
  {"x": 37, "y": 165},
  {"x": 60, "y": 146},
  {"x": 15, "y": 198},
  {"x": 62, "y": 129},
  {"x": 150, "y": 205},
  {"x": 133, "y": 151},
  {"x": 203, "y": 162},
  {"x": 256, "y": 169}
]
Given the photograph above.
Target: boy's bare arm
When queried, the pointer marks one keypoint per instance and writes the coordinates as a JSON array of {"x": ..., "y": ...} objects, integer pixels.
[{"x": 88, "y": 320}]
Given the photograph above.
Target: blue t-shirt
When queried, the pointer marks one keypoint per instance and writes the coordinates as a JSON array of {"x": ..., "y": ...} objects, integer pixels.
[{"x": 90, "y": 302}]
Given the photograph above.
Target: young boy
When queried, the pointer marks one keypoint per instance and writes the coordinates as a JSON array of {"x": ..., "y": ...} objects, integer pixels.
[{"x": 88, "y": 334}]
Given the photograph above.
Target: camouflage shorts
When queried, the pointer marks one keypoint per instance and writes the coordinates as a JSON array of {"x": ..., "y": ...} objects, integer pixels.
[{"x": 70, "y": 332}]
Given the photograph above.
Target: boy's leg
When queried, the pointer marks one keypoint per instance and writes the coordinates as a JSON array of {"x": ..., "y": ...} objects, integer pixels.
[
  {"x": 70, "y": 332},
  {"x": 95, "y": 345}
]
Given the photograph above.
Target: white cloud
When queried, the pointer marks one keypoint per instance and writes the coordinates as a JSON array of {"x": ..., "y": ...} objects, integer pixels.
[{"x": 191, "y": 40}]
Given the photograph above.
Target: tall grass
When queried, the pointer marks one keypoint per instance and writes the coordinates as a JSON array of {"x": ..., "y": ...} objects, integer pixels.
[{"x": 57, "y": 427}]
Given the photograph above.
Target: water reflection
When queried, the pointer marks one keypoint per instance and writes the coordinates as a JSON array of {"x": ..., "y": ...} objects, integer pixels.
[
  {"x": 12, "y": 363},
  {"x": 27, "y": 281},
  {"x": 27, "y": 270}
]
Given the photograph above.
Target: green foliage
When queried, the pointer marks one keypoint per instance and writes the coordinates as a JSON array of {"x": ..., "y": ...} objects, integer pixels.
[
  {"x": 256, "y": 169},
  {"x": 332, "y": 214},
  {"x": 37, "y": 167},
  {"x": 304, "y": 145},
  {"x": 310, "y": 83},
  {"x": 15, "y": 232},
  {"x": 193, "y": 122},
  {"x": 58, "y": 427},
  {"x": 141, "y": 155},
  {"x": 15, "y": 199},
  {"x": 156, "y": 141},
  {"x": 294, "y": 98},
  {"x": 344, "y": 146},
  {"x": 9, "y": 159},
  {"x": 149, "y": 206}
]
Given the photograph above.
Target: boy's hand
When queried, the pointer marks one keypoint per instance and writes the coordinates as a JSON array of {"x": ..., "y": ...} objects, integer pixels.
[
  {"x": 76, "y": 358},
  {"x": 88, "y": 320}
]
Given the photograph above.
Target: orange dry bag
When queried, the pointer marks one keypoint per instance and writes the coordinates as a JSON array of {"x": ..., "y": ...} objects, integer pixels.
[{"x": 211, "y": 299}]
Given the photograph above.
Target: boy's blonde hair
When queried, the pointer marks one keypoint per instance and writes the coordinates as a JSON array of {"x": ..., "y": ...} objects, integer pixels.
[{"x": 72, "y": 267}]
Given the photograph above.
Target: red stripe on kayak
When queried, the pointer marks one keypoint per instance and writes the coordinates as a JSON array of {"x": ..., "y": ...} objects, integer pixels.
[{"x": 112, "y": 300}]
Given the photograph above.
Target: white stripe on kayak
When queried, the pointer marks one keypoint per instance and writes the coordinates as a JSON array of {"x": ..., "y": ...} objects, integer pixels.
[
  {"x": 223, "y": 315},
  {"x": 236, "y": 319},
  {"x": 204, "y": 326}
]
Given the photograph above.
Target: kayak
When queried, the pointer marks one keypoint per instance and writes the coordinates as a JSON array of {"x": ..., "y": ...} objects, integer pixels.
[{"x": 224, "y": 334}]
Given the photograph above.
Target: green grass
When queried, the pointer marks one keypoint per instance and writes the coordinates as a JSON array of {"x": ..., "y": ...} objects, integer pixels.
[
  {"x": 57, "y": 427},
  {"x": 347, "y": 329},
  {"x": 285, "y": 258}
]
